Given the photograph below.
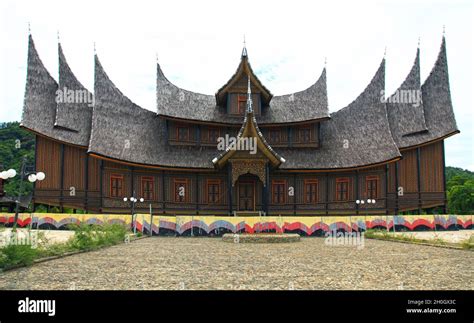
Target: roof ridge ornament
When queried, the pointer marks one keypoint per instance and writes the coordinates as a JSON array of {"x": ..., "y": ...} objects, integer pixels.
[
  {"x": 249, "y": 97},
  {"x": 244, "y": 50}
]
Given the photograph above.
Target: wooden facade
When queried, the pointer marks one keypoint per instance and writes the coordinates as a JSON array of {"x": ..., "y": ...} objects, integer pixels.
[{"x": 76, "y": 180}]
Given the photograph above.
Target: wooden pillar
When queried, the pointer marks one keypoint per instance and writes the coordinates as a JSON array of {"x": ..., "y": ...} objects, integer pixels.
[
  {"x": 386, "y": 189},
  {"x": 61, "y": 180},
  {"x": 294, "y": 195},
  {"x": 290, "y": 136},
  {"x": 445, "y": 201},
  {"x": 357, "y": 191},
  {"x": 418, "y": 178},
  {"x": 163, "y": 191},
  {"x": 132, "y": 183},
  {"x": 396, "y": 188},
  {"x": 198, "y": 135},
  {"x": 86, "y": 184},
  {"x": 327, "y": 193},
  {"x": 35, "y": 168},
  {"x": 266, "y": 188},
  {"x": 101, "y": 184},
  {"x": 229, "y": 186},
  {"x": 197, "y": 193}
]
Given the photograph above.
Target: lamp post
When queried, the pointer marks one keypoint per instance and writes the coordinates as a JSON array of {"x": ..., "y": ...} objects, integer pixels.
[
  {"x": 133, "y": 201},
  {"x": 33, "y": 176},
  {"x": 362, "y": 202}
]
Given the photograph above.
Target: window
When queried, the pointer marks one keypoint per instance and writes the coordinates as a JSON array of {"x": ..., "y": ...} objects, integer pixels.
[
  {"x": 371, "y": 187},
  {"x": 213, "y": 135},
  {"x": 182, "y": 133},
  {"x": 305, "y": 134},
  {"x": 342, "y": 189},
  {"x": 242, "y": 103},
  {"x": 278, "y": 192},
  {"x": 148, "y": 185},
  {"x": 213, "y": 190},
  {"x": 311, "y": 191},
  {"x": 116, "y": 186},
  {"x": 181, "y": 190},
  {"x": 274, "y": 135}
]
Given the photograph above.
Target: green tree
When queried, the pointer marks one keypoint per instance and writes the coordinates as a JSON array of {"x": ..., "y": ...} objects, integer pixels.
[{"x": 15, "y": 143}]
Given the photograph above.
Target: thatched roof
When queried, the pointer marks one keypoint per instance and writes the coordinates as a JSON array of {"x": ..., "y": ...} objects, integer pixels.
[
  {"x": 124, "y": 131},
  {"x": 405, "y": 117},
  {"x": 39, "y": 109},
  {"x": 362, "y": 134},
  {"x": 356, "y": 135},
  {"x": 75, "y": 116},
  {"x": 407, "y": 122},
  {"x": 306, "y": 105}
]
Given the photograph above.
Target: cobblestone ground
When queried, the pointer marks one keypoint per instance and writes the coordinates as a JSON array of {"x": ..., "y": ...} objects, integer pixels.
[{"x": 209, "y": 263}]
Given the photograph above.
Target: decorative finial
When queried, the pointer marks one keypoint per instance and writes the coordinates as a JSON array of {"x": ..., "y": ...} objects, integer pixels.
[
  {"x": 29, "y": 28},
  {"x": 385, "y": 52},
  {"x": 325, "y": 61},
  {"x": 59, "y": 40},
  {"x": 419, "y": 41},
  {"x": 156, "y": 57},
  {"x": 95, "y": 52},
  {"x": 249, "y": 96},
  {"x": 444, "y": 30},
  {"x": 244, "y": 50}
]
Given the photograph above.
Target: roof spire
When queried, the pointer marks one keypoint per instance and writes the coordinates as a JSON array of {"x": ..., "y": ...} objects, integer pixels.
[
  {"x": 385, "y": 52},
  {"x": 59, "y": 40},
  {"x": 244, "y": 50},
  {"x": 325, "y": 61},
  {"x": 29, "y": 28},
  {"x": 95, "y": 52},
  {"x": 249, "y": 97},
  {"x": 419, "y": 41},
  {"x": 444, "y": 30}
]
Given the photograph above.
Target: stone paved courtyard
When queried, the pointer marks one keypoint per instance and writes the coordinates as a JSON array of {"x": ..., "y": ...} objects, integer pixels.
[{"x": 209, "y": 263}]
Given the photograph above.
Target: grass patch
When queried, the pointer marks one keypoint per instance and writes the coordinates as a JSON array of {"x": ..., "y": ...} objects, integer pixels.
[
  {"x": 86, "y": 237},
  {"x": 469, "y": 243},
  {"x": 437, "y": 241}
]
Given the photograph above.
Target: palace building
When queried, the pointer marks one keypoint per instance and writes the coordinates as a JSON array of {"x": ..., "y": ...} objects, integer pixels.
[{"x": 96, "y": 149}]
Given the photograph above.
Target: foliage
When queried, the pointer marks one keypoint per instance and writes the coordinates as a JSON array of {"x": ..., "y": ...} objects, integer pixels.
[
  {"x": 14, "y": 144},
  {"x": 16, "y": 255},
  {"x": 86, "y": 237},
  {"x": 460, "y": 190}
]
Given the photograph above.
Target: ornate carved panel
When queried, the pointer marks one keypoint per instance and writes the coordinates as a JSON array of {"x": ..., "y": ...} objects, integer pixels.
[{"x": 241, "y": 167}]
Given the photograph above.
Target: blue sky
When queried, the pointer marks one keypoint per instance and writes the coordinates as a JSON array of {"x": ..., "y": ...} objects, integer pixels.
[{"x": 198, "y": 44}]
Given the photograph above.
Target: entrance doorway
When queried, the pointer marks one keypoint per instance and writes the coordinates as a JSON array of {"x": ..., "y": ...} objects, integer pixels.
[{"x": 247, "y": 195}]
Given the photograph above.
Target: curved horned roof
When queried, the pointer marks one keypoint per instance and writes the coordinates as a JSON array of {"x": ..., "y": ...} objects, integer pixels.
[
  {"x": 367, "y": 132},
  {"x": 177, "y": 103}
]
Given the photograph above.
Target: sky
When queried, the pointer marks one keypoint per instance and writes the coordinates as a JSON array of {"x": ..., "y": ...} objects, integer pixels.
[{"x": 198, "y": 45}]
